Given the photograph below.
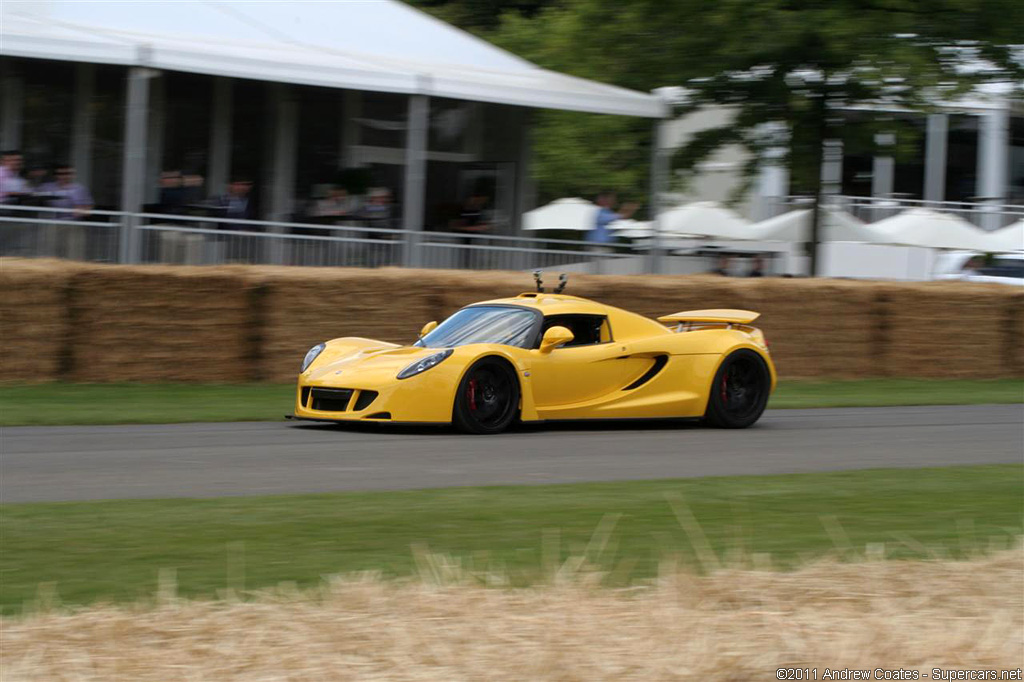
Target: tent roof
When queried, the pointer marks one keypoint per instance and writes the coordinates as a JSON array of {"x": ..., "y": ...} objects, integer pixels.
[
  {"x": 795, "y": 226},
  {"x": 570, "y": 213},
  {"x": 927, "y": 228},
  {"x": 384, "y": 46}
]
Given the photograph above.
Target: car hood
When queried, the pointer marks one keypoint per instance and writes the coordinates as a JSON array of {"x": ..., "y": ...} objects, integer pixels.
[{"x": 372, "y": 360}]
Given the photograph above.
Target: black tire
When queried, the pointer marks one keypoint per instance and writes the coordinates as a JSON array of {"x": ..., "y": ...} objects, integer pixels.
[
  {"x": 487, "y": 400},
  {"x": 739, "y": 392}
]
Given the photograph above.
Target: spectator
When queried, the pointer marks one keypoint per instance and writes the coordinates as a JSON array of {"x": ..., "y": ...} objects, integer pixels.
[
  {"x": 335, "y": 205},
  {"x": 192, "y": 191},
  {"x": 601, "y": 236},
  {"x": 66, "y": 193},
  {"x": 12, "y": 186},
  {"x": 379, "y": 210},
  {"x": 36, "y": 178},
  {"x": 722, "y": 268},
  {"x": 473, "y": 220},
  {"x": 67, "y": 241},
  {"x": 756, "y": 267},
  {"x": 237, "y": 202},
  {"x": 172, "y": 192}
]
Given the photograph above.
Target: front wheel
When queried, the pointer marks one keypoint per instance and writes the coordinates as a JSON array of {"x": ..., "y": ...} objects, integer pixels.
[
  {"x": 739, "y": 392},
  {"x": 487, "y": 398}
]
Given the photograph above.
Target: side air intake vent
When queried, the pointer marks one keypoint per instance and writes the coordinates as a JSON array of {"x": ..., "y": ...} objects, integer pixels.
[{"x": 659, "y": 363}]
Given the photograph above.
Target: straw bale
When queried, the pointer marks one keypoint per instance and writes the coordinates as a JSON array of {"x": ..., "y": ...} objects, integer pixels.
[
  {"x": 730, "y": 625},
  {"x": 948, "y": 330},
  {"x": 33, "y": 318},
  {"x": 305, "y": 306},
  {"x": 162, "y": 324},
  {"x": 818, "y": 328}
]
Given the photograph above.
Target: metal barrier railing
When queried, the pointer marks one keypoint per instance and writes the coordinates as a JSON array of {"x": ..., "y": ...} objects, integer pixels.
[{"x": 111, "y": 236}]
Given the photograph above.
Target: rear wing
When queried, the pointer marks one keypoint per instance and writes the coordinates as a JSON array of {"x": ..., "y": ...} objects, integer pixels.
[{"x": 716, "y": 315}]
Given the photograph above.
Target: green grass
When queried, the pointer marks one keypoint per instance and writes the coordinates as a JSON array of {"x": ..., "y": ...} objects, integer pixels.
[
  {"x": 114, "y": 550},
  {"x": 47, "y": 404}
]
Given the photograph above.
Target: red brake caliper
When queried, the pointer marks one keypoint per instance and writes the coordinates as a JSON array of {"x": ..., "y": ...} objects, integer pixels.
[
  {"x": 725, "y": 378},
  {"x": 472, "y": 394}
]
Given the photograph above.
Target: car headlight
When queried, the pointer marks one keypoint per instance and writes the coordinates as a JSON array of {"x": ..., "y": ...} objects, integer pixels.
[
  {"x": 311, "y": 355},
  {"x": 424, "y": 364}
]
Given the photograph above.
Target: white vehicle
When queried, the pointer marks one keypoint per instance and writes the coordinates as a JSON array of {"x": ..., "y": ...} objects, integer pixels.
[{"x": 1003, "y": 268}]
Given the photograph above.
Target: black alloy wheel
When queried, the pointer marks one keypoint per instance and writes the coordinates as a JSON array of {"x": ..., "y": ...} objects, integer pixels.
[
  {"x": 739, "y": 392},
  {"x": 488, "y": 397}
]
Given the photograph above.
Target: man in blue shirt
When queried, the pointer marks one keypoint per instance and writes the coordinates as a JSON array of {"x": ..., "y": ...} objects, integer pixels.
[{"x": 606, "y": 200}]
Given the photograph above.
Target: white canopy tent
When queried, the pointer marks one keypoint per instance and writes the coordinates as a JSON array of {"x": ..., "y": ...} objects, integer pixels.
[
  {"x": 1006, "y": 240},
  {"x": 563, "y": 214},
  {"x": 795, "y": 226},
  {"x": 930, "y": 229},
  {"x": 383, "y": 46},
  {"x": 704, "y": 219}
]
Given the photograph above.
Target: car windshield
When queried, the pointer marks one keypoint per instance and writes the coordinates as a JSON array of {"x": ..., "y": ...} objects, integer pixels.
[{"x": 483, "y": 324}]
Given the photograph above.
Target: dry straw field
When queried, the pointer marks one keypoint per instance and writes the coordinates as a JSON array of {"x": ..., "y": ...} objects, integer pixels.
[{"x": 729, "y": 625}]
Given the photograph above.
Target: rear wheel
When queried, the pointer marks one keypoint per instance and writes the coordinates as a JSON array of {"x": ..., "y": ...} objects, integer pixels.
[
  {"x": 739, "y": 391},
  {"x": 487, "y": 398}
]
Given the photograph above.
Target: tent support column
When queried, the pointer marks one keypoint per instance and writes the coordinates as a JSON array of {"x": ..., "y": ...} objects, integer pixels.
[
  {"x": 133, "y": 163},
  {"x": 935, "y": 157},
  {"x": 284, "y": 143},
  {"x": 219, "y": 169},
  {"x": 659, "y": 174},
  {"x": 883, "y": 168},
  {"x": 415, "y": 184},
  {"x": 84, "y": 122},
  {"x": 993, "y": 163}
]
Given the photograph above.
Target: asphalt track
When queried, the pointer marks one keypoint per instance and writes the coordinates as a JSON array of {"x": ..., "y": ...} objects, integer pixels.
[{"x": 210, "y": 460}]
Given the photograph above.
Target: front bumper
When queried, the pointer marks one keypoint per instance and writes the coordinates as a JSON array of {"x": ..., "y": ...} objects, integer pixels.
[{"x": 425, "y": 398}]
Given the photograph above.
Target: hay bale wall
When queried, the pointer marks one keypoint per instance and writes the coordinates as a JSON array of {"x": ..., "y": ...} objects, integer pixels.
[
  {"x": 98, "y": 323},
  {"x": 33, "y": 319},
  {"x": 161, "y": 324}
]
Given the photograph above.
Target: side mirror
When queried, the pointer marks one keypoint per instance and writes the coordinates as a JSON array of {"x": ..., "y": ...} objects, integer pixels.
[
  {"x": 428, "y": 327},
  {"x": 555, "y": 337}
]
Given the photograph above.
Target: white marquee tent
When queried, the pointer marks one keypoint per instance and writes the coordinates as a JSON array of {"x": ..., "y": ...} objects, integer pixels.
[
  {"x": 930, "y": 229},
  {"x": 563, "y": 214},
  {"x": 795, "y": 226},
  {"x": 384, "y": 46},
  {"x": 1006, "y": 240},
  {"x": 705, "y": 219}
]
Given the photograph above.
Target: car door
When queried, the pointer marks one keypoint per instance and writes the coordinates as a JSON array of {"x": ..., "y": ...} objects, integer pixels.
[{"x": 583, "y": 370}]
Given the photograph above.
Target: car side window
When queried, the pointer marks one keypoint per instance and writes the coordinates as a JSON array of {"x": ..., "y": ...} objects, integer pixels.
[{"x": 587, "y": 330}]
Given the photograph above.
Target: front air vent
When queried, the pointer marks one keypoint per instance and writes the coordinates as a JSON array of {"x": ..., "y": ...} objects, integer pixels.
[
  {"x": 364, "y": 400},
  {"x": 379, "y": 415},
  {"x": 659, "y": 363},
  {"x": 331, "y": 399},
  {"x": 305, "y": 396}
]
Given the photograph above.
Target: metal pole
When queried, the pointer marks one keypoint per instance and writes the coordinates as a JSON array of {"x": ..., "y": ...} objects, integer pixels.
[
  {"x": 84, "y": 123},
  {"x": 285, "y": 139},
  {"x": 993, "y": 164},
  {"x": 219, "y": 168},
  {"x": 935, "y": 157},
  {"x": 659, "y": 173},
  {"x": 415, "y": 185},
  {"x": 882, "y": 171},
  {"x": 133, "y": 165}
]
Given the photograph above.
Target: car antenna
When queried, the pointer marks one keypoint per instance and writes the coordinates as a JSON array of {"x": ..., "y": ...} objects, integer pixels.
[
  {"x": 539, "y": 281},
  {"x": 563, "y": 279}
]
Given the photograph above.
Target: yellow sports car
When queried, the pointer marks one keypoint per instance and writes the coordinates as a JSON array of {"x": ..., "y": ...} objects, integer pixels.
[{"x": 544, "y": 356}]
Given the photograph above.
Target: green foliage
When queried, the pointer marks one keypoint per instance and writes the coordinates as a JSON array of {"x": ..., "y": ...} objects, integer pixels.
[{"x": 797, "y": 62}]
